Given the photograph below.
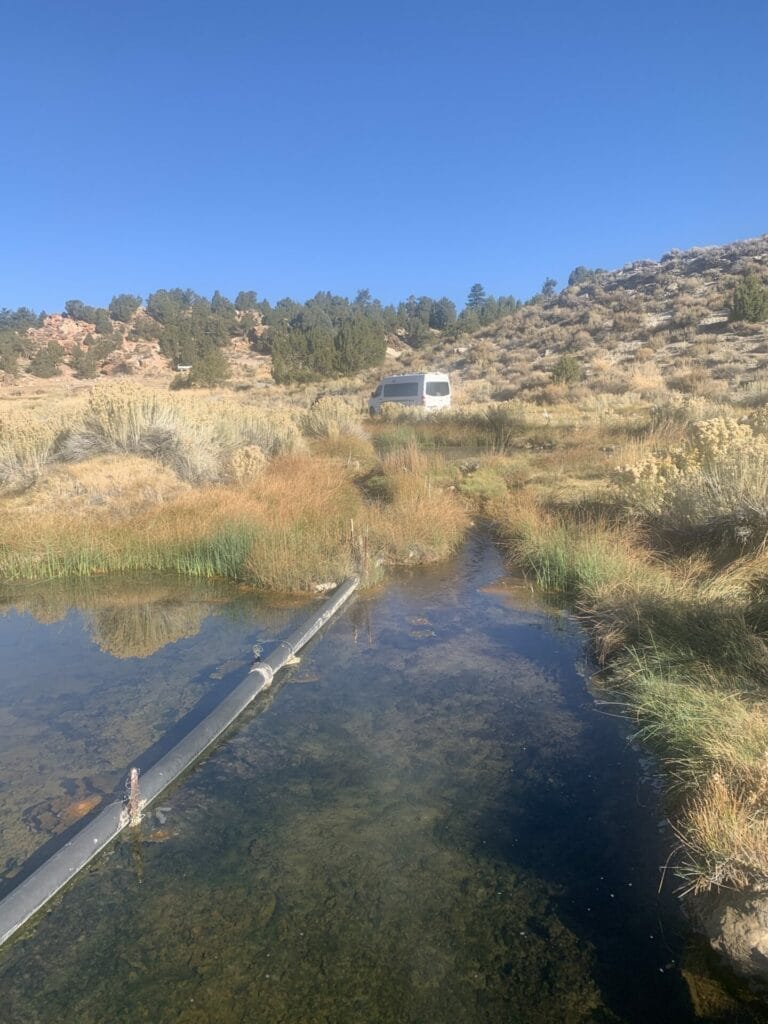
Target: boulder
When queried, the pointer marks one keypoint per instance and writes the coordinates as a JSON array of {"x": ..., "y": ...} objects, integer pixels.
[{"x": 736, "y": 926}]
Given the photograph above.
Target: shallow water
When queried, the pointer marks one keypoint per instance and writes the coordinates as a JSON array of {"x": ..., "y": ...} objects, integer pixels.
[
  {"x": 428, "y": 820},
  {"x": 92, "y": 676}
]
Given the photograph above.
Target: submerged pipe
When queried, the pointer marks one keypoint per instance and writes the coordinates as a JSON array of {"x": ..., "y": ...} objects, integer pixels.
[{"x": 34, "y": 892}]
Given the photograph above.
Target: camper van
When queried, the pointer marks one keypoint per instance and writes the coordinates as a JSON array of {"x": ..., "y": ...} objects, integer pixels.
[{"x": 428, "y": 390}]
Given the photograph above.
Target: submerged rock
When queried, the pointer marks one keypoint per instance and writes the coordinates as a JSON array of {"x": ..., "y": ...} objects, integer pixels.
[{"x": 736, "y": 926}]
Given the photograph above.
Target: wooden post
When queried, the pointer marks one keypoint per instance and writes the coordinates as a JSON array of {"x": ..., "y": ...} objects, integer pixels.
[{"x": 134, "y": 798}]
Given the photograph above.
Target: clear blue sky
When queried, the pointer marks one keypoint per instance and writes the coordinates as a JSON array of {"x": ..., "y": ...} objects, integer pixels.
[{"x": 403, "y": 147}]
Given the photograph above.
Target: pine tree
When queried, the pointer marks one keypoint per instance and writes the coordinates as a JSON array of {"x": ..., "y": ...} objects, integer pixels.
[
  {"x": 476, "y": 298},
  {"x": 83, "y": 361},
  {"x": 245, "y": 301},
  {"x": 211, "y": 369},
  {"x": 549, "y": 286}
]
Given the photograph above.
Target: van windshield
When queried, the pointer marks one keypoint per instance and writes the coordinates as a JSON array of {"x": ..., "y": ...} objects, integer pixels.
[
  {"x": 438, "y": 387},
  {"x": 401, "y": 389}
]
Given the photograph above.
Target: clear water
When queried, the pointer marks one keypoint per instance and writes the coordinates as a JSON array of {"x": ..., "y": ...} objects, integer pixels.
[
  {"x": 92, "y": 676},
  {"x": 427, "y": 821}
]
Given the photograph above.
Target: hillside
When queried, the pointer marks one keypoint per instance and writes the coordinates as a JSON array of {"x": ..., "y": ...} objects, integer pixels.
[{"x": 648, "y": 327}]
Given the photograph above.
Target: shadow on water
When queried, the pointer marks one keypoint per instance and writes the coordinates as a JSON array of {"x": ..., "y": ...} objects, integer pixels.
[{"x": 428, "y": 821}]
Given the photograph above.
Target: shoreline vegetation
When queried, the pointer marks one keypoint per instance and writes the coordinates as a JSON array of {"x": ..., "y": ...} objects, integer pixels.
[
  {"x": 137, "y": 480},
  {"x": 650, "y": 520}
]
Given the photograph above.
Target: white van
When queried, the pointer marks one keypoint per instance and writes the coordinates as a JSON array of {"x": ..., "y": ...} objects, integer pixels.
[{"x": 428, "y": 390}]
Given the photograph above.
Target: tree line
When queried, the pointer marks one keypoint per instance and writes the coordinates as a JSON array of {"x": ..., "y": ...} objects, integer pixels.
[{"x": 326, "y": 336}]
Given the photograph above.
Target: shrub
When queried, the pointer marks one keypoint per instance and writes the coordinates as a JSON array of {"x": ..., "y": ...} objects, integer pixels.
[
  {"x": 644, "y": 353},
  {"x": 141, "y": 422},
  {"x": 27, "y": 444},
  {"x": 46, "y": 361},
  {"x": 567, "y": 370},
  {"x": 122, "y": 307},
  {"x": 331, "y": 417},
  {"x": 713, "y": 487},
  {"x": 750, "y": 300},
  {"x": 245, "y": 464},
  {"x": 275, "y": 433},
  {"x": 504, "y": 422}
]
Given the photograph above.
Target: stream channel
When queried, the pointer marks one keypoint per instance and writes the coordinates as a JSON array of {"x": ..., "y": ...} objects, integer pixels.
[{"x": 430, "y": 820}]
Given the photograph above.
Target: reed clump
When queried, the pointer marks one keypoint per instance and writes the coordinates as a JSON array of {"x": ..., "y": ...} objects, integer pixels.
[
  {"x": 298, "y": 523},
  {"x": 420, "y": 518},
  {"x": 724, "y": 832},
  {"x": 564, "y": 555}
]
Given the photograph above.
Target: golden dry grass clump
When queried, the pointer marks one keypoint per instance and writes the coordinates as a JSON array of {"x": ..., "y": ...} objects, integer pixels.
[
  {"x": 193, "y": 436},
  {"x": 27, "y": 443},
  {"x": 421, "y": 519},
  {"x": 724, "y": 831}
]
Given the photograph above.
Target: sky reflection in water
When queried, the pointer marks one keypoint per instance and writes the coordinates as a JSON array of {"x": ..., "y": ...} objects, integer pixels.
[{"x": 425, "y": 821}]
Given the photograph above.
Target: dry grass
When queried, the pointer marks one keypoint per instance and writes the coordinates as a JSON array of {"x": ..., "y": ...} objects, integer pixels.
[
  {"x": 724, "y": 832},
  {"x": 422, "y": 520},
  {"x": 28, "y": 442},
  {"x": 687, "y": 648},
  {"x": 297, "y": 526},
  {"x": 193, "y": 436}
]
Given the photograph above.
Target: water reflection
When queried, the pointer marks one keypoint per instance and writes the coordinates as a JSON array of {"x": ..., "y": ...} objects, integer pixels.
[
  {"x": 434, "y": 827},
  {"x": 133, "y": 617},
  {"x": 94, "y": 674}
]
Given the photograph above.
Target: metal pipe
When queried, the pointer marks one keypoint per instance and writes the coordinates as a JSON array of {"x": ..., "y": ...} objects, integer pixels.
[{"x": 34, "y": 892}]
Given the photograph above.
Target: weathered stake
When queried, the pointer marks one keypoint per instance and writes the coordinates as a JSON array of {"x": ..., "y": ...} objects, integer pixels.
[{"x": 134, "y": 798}]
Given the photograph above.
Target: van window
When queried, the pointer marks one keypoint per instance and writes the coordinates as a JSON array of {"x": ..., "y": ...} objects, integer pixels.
[
  {"x": 377, "y": 392},
  {"x": 438, "y": 387},
  {"x": 401, "y": 389}
]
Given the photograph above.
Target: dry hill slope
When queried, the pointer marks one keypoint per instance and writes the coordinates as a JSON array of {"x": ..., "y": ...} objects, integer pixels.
[{"x": 646, "y": 327}]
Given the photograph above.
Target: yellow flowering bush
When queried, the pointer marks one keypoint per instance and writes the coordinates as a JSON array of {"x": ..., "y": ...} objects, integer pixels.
[
  {"x": 245, "y": 464},
  {"x": 646, "y": 485},
  {"x": 722, "y": 438},
  {"x": 715, "y": 483}
]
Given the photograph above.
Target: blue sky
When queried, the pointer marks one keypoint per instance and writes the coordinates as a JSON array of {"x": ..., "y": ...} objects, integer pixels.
[{"x": 400, "y": 147}]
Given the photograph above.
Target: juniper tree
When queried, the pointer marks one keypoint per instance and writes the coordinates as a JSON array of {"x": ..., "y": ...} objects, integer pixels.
[
  {"x": 750, "y": 300},
  {"x": 123, "y": 306}
]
